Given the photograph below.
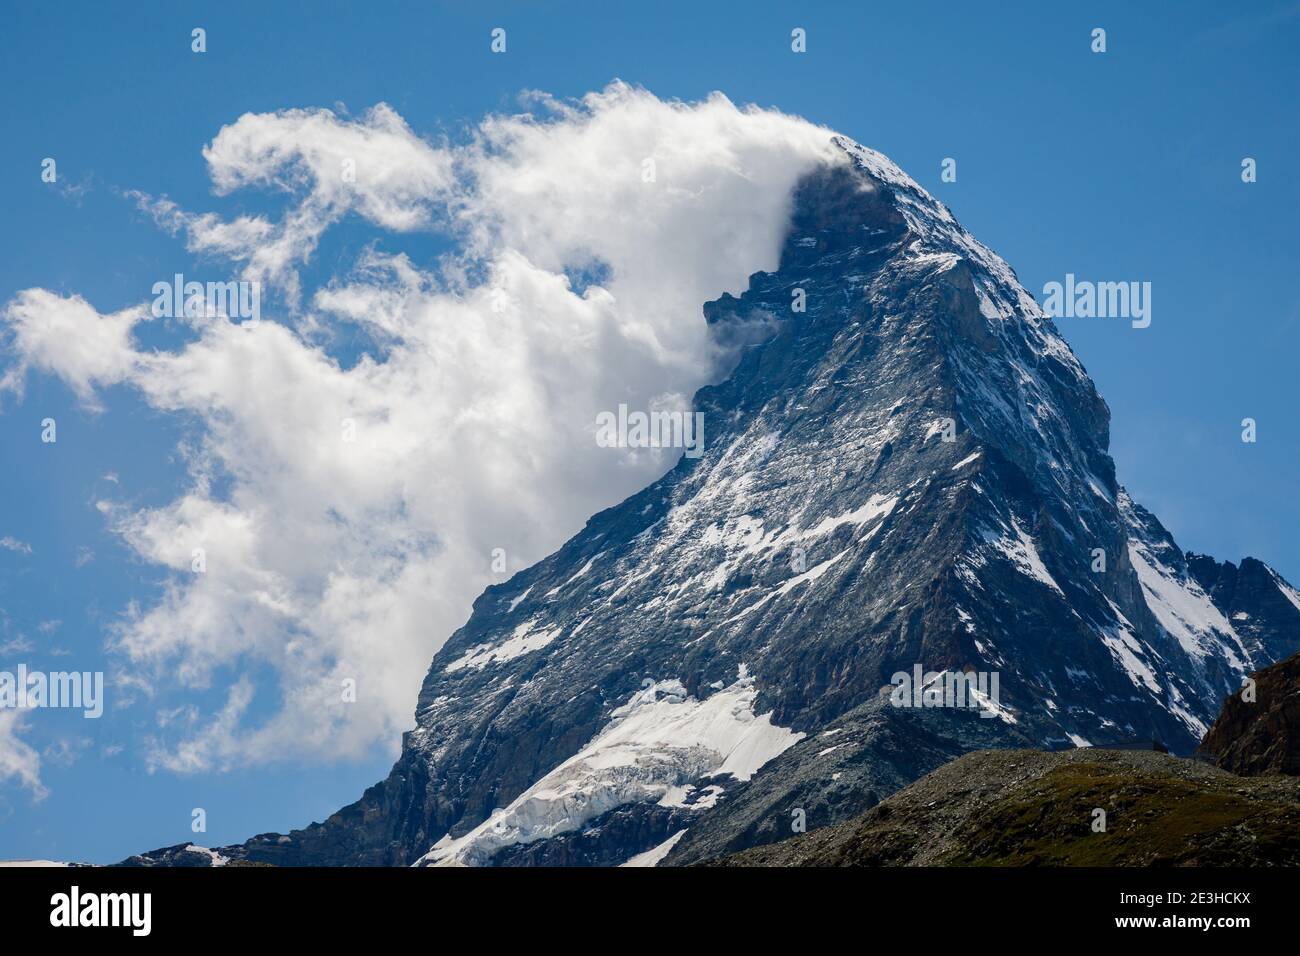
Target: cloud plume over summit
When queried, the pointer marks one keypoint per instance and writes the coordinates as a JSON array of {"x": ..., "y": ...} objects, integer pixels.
[{"x": 347, "y": 508}]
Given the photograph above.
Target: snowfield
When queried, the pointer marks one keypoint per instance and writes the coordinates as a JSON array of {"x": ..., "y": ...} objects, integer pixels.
[{"x": 660, "y": 740}]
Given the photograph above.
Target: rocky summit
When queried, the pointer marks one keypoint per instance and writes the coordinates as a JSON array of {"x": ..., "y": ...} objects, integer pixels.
[{"x": 904, "y": 477}]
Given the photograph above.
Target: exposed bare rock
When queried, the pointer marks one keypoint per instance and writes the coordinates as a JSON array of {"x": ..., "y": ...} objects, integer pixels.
[{"x": 1262, "y": 735}]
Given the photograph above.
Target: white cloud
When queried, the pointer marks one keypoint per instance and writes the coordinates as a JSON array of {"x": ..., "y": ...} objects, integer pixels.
[
  {"x": 374, "y": 166},
  {"x": 329, "y": 559},
  {"x": 20, "y": 763},
  {"x": 17, "y": 645},
  {"x": 66, "y": 336},
  {"x": 10, "y": 543}
]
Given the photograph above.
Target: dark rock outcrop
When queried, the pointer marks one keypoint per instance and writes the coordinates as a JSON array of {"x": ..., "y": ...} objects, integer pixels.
[
  {"x": 1258, "y": 731},
  {"x": 1030, "y": 808},
  {"x": 837, "y": 774}
]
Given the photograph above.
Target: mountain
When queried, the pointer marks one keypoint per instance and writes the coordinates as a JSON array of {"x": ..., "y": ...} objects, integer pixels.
[
  {"x": 1254, "y": 598},
  {"x": 912, "y": 472},
  {"x": 1029, "y": 808}
]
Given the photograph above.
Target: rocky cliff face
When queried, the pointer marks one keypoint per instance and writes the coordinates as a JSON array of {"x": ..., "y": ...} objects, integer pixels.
[
  {"x": 1253, "y": 597},
  {"x": 1258, "y": 731},
  {"x": 912, "y": 471}
]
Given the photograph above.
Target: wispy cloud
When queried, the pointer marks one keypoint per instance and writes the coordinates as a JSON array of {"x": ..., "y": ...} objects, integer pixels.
[
  {"x": 13, "y": 544},
  {"x": 17, "y": 645},
  {"x": 20, "y": 763}
]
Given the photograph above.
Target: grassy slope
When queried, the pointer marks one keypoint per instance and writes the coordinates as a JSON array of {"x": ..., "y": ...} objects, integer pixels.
[{"x": 1014, "y": 808}]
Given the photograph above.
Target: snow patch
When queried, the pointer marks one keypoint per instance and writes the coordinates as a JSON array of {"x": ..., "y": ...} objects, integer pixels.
[
  {"x": 1126, "y": 650},
  {"x": 1185, "y": 610},
  {"x": 515, "y": 603},
  {"x": 1019, "y": 547},
  {"x": 1288, "y": 592},
  {"x": 876, "y": 506},
  {"x": 812, "y": 574},
  {"x": 935, "y": 427},
  {"x": 40, "y": 863},
  {"x": 560, "y": 587},
  {"x": 524, "y": 640},
  {"x": 660, "y": 740},
  {"x": 652, "y": 856},
  {"x": 216, "y": 858},
  {"x": 1177, "y": 706}
]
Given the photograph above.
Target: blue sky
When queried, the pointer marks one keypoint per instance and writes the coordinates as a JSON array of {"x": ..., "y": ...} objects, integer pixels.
[{"x": 1115, "y": 166}]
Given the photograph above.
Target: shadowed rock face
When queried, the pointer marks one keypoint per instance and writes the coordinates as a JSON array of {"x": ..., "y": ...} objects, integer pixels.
[
  {"x": 844, "y": 770},
  {"x": 691, "y": 648},
  {"x": 1263, "y": 609},
  {"x": 1260, "y": 736}
]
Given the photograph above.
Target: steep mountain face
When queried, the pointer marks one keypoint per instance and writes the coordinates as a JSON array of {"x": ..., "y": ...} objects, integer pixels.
[
  {"x": 911, "y": 472},
  {"x": 1259, "y": 604}
]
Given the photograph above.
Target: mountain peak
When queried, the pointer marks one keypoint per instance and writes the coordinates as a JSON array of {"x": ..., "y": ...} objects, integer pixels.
[{"x": 905, "y": 472}]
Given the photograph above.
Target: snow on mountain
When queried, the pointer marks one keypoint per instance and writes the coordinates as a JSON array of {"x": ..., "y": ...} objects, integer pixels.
[
  {"x": 1186, "y": 612},
  {"x": 911, "y": 471},
  {"x": 39, "y": 863},
  {"x": 653, "y": 748},
  {"x": 524, "y": 640},
  {"x": 655, "y": 855},
  {"x": 1290, "y": 593}
]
